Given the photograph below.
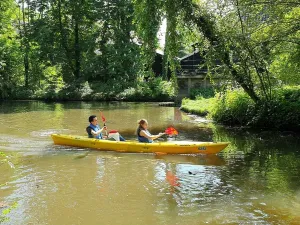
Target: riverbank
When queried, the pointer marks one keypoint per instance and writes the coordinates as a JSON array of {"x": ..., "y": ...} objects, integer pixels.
[
  {"x": 200, "y": 107},
  {"x": 235, "y": 108}
]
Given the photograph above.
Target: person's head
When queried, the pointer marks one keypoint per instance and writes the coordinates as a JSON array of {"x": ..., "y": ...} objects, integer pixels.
[
  {"x": 143, "y": 123},
  {"x": 93, "y": 120}
]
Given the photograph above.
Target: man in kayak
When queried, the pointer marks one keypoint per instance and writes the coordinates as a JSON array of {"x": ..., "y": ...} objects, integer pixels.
[
  {"x": 94, "y": 130},
  {"x": 143, "y": 134}
]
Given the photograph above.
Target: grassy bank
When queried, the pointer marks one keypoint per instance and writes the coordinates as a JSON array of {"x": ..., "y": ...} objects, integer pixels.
[
  {"x": 235, "y": 108},
  {"x": 201, "y": 107}
]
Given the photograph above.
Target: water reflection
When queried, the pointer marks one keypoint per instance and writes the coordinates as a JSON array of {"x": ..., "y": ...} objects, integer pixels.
[
  {"x": 254, "y": 181},
  {"x": 207, "y": 160}
]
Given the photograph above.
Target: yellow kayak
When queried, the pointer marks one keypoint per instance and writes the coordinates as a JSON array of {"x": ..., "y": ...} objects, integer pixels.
[{"x": 174, "y": 147}]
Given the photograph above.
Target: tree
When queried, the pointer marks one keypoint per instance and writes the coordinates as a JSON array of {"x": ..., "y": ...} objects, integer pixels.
[
  {"x": 240, "y": 35},
  {"x": 147, "y": 17},
  {"x": 9, "y": 49},
  {"x": 64, "y": 43}
]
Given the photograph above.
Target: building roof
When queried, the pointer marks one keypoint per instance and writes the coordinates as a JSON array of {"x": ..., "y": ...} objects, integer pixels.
[{"x": 186, "y": 56}]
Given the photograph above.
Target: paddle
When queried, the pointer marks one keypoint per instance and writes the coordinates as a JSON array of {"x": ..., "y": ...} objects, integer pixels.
[
  {"x": 171, "y": 131},
  {"x": 104, "y": 121}
]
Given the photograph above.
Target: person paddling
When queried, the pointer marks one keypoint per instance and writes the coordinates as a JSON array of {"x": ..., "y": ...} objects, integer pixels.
[
  {"x": 94, "y": 130},
  {"x": 143, "y": 134}
]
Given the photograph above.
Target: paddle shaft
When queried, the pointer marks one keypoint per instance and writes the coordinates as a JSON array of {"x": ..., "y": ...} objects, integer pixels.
[{"x": 104, "y": 125}]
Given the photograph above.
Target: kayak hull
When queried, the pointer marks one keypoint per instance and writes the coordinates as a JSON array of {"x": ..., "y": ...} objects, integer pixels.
[{"x": 176, "y": 147}]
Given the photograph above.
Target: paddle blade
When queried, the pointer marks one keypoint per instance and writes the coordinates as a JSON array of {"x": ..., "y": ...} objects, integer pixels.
[
  {"x": 103, "y": 118},
  {"x": 171, "y": 131}
]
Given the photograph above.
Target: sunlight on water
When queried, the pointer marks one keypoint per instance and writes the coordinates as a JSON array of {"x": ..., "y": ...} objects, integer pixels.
[{"x": 256, "y": 180}]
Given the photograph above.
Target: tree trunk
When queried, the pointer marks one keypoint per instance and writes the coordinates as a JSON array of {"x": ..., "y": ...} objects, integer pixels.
[
  {"x": 77, "y": 50},
  {"x": 63, "y": 38},
  {"x": 165, "y": 63},
  {"x": 215, "y": 39},
  {"x": 26, "y": 67},
  {"x": 26, "y": 52},
  {"x": 103, "y": 50}
]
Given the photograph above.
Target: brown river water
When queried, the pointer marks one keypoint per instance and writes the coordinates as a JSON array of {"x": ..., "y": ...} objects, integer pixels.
[{"x": 256, "y": 180}]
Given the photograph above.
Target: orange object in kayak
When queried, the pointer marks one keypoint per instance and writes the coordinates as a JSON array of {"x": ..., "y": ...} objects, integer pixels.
[{"x": 113, "y": 132}]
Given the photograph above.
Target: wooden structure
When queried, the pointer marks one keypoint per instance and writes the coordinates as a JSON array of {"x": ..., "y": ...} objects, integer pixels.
[
  {"x": 192, "y": 73},
  {"x": 157, "y": 66}
]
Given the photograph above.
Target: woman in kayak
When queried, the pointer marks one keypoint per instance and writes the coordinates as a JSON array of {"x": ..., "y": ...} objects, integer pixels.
[
  {"x": 94, "y": 131},
  {"x": 143, "y": 134}
]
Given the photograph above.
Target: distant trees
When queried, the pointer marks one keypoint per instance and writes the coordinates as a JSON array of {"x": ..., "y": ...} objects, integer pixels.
[{"x": 57, "y": 43}]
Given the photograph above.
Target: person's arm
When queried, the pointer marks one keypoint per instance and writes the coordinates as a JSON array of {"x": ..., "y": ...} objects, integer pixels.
[
  {"x": 95, "y": 133},
  {"x": 152, "y": 137}
]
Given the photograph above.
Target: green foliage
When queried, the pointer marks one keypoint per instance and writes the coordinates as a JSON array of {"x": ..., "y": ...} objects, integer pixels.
[
  {"x": 50, "y": 46},
  {"x": 2, "y": 156},
  {"x": 234, "y": 107},
  {"x": 207, "y": 92},
  {"x": 5, "y": 212},
  {"x": 286, "y": 52},
  {"x": 280, "y": 113},
  {"x": 147, "y": 18},
  {"x": 286, "y": 64},
  {"x": 155, "y": 89},
  {"x": 68, "y": 92},
  {"x": 10, "y": 59},
  {"x": 22, "y": 93}
]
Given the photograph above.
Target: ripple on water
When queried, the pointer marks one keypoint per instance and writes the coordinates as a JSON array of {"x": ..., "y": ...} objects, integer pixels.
[
  {"x": 12, "y": 143},
  {"x": 48, "y": 132}
]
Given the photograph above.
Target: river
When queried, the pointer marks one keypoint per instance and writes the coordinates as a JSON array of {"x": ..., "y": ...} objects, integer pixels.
[{"x": 256, "y": 180}]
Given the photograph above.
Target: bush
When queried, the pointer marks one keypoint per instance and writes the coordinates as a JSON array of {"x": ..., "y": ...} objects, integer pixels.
[
  {"x": 282, "y": 112},
  {"x": 234, "y": 107},
  {"x": 155, "y": 89},
  {"x": 207, "y": 92},
  {"x": 75, "y": 91},
  {"x": 22, "y": 93}
]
